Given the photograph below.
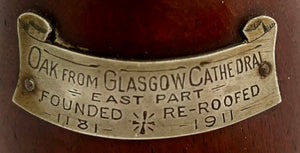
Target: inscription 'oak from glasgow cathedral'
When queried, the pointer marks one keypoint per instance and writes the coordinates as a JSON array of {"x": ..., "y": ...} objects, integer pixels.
[{"x": 195, "y": 76}]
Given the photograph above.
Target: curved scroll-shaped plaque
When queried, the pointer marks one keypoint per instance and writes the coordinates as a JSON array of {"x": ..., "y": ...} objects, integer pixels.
[{"x": 146, "y": 99}]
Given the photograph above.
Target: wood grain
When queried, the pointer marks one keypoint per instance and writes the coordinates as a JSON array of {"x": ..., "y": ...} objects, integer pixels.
[{"x": 151, "y": 30}]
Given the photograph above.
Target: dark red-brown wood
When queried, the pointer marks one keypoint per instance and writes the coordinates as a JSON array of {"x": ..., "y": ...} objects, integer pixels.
[{"x": 154, "y": 29}]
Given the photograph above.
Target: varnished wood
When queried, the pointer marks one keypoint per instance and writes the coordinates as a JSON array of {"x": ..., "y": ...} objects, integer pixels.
[{"x": 151, "y": 30}]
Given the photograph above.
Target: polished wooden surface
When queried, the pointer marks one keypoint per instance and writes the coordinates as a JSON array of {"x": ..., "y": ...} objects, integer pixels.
[{"x": 151, "y": 30}]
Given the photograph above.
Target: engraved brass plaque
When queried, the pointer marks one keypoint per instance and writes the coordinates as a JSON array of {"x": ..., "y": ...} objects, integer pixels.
[{"x": 146, "y": 99}]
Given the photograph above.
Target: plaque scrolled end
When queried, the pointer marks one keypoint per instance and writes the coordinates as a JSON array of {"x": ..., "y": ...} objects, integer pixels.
[
  {"x": 258, "y": 26},
  {"x": 35, "y": 26}
]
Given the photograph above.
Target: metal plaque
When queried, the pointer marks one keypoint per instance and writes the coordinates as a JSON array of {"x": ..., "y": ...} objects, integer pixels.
[{"x": 146, "y": 99}]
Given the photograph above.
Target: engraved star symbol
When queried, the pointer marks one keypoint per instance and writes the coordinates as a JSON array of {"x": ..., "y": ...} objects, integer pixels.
[{"x": 143, "y": 122}]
